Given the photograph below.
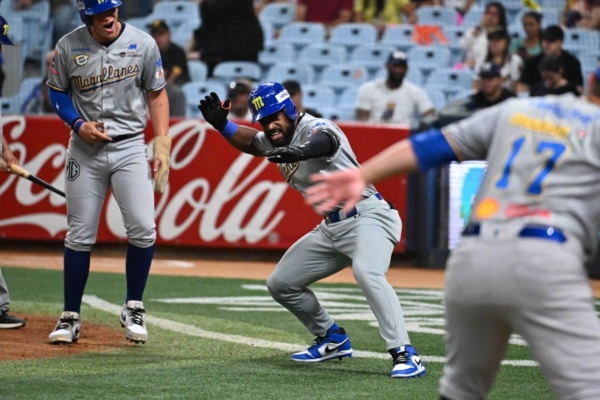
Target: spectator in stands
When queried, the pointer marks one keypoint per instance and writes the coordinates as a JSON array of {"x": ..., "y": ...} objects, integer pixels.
[
  {"x": 37, "y": 101},
  {"x": 393, "y": 99},
  {"x": 230, "y": 31},
  {"x": 238, "y": 93},
  {"x": 381, "y": 13},
  {"x": 295, "y": 91},
  {"x": 582, "y": 14},
  {"x": 174, "y": 64},
  {"x": 474, "y": 41},
  {"x": 461, "y": 6},
  {"x": 511, "y": 65},
  {"x": 552, "y": 42},
  {"x": 328, "y": 12},
  {"x": 531, "y": 44},
  {"x": 553, "y": 81}
]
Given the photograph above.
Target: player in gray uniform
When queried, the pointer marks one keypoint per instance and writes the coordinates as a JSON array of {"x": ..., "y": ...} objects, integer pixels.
[
  {"x": 7, "y": 321},
  {"x": 535, "y": 221},
  {"x": 102, "y": 78},
  {"x": 364, "y": 236}
]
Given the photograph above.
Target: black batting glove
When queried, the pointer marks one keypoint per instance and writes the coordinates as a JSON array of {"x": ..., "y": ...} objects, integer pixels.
[
  {"x": 285, "y": 155},
  {"x": 214, "y": 112}
]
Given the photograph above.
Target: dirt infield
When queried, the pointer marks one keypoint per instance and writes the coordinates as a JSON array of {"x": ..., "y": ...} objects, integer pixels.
[{"x": 32, "y": 341}]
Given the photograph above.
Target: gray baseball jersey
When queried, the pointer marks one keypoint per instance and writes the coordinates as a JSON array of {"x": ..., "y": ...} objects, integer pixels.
[
  {"x": 105, "y": 82},
  {"x": 298, "y": 174}
]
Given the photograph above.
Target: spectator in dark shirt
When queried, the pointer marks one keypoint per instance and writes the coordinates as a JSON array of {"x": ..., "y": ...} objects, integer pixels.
[
  {"x": 174, "y": 65},
  {"x": 328, "y": 12},
  {"x": 553, "y": 80},
  {"x": 295, "y": 91},
  {"x": 238, "y": 93},
  {"x": 552, "y": 42}
]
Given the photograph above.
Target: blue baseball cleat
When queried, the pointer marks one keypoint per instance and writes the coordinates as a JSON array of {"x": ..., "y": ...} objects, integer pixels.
[
  {"x": 335, "y": 344},
  {"x": 407, "y": 363}
]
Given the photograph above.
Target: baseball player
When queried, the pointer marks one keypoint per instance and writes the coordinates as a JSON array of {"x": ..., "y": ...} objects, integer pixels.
[
  {"x": 103, "y": 76},
  {"x": 363, "y": 236},
  {"x": 535, "y": 221},
  {"x": 6, "y": 321}
]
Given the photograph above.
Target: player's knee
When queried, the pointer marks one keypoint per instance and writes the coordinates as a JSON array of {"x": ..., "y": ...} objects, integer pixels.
[
  {"x": 78, "y": 246},
  {"x": 142, "y": 237},
  {"x": 276, "y": 286},
  {"x": 364, "y": 275}
]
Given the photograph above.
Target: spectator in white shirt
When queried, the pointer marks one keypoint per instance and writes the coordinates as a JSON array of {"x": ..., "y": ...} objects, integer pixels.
[
  {"x": 474, "y": 41},
  {"x": 393, "y": 99}
]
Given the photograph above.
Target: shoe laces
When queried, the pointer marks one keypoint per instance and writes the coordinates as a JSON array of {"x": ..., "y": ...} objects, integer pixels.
[
  {"x": 66, "y": 323},
  {"x": 318, "y": 340},
  {"x": 399, "y": 357},
  {"x": 136, "y": 315}
]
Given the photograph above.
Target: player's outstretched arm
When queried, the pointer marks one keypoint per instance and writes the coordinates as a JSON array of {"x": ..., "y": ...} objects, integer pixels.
[{"x": 215, "y": 113}]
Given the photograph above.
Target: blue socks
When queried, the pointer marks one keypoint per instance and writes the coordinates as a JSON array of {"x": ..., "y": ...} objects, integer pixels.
[
  {"x": 137, "y": 268},
  {"x": 76, "y": 271}
]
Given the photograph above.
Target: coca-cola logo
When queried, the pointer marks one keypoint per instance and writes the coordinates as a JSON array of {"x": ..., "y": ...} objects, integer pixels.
[{"x": 252, "y": 217}]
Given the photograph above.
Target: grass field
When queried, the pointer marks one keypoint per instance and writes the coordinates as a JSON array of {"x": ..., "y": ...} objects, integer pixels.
[{"x": 226, "y": 339}]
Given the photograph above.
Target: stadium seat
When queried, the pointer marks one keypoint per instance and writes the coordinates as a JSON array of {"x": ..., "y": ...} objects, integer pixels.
[
  {"x": 454, "y": 34},
  {"x": 198, "y": 70},
  {"x": 437, "y": 97},
  {"x": 473, "y": 17},
  {"x": 195, "y": 91},
  {"x": 372, "y": 56},
  {"x": 352, "y": 35},
  {"x": 428, "y": 58},
  {"x": 414, "y": 75},
  {"x": 277, "y": 14},
  {"x": 582, "y": 40},
  {"x": 302, "y": 33},
  {"x": 317, "y": 96},
  {"x": 276, "y": 52},
  {"x": 32, "y": 25},
  {"x": 268, "y": 32},
  {"x": 449, "y": 79},
  {"x": 399, "y": 36},
  {"x": 462, "y": 94},
  {"x": 176, "y": 13},
  {"x": 230, "y": 70},
  {"x": 589, "y": 61},
  {"x": 320, "y": 55},
  {"x": 553, "y": 4},
  {"x": 181, "y": 35},
  {"x": 343, "y": 76},
  {"x": 348, "y": 98},
  {"x": 338, "y": 114},
  {"x": 436, "y": 15},
  {"x": 141, "y": 23},
  {"x": 304, "y": 74}
]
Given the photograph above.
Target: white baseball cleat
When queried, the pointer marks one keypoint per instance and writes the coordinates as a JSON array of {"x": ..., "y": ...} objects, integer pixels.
[
  {"x": 132, "y": 319},
  {"x": 67, "y": 329}
]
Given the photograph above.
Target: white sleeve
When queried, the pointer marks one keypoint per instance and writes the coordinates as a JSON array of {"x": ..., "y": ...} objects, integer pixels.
[
  {"x": 363, "y": 99},
  {"x": 516, "y": 66},
  {"x": 422, "y": 102}
]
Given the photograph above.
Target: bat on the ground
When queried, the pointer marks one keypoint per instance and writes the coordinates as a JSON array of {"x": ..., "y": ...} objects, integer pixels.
[{"x": 15, "y": 169}]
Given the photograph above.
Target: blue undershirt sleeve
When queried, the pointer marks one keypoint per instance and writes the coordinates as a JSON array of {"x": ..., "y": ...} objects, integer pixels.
[
  {"x": 63, "y": 106},
  {"x": 432, "y": 149}
]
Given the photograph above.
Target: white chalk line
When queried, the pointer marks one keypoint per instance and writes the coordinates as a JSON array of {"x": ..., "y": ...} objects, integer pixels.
[{"x": 191, "y": 330}]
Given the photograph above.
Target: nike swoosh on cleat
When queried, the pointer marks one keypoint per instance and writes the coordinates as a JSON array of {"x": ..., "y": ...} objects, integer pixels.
[{"x": 334, "y": 347}]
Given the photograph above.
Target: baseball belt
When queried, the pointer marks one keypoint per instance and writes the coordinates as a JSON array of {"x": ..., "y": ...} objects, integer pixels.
[{"x": 529, "y": 230}]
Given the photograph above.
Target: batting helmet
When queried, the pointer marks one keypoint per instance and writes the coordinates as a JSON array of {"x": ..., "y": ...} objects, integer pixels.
[
  {"x": 269, "y": 98},
  {"x": 4, "y": 32},
  {"x": 87, "y": 8}
]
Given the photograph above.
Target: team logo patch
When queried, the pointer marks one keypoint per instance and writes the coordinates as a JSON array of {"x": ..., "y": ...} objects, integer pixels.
[
  {"x": 160, "y": 74},
  {"x": 72, "y": 170},
  {"x": 82, "y": 59},
  {"x": 258, "y": 103},
  {"x": 133, "y": 46}
]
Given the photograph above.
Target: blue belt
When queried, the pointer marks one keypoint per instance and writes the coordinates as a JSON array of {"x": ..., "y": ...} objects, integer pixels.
[
  {"x": 529, "y": 230},
  {"x": 338, "y": 216}
]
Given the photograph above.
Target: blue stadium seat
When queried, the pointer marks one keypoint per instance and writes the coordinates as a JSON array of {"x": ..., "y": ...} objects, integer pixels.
[
  {"x": 437, "y": 97},
  {"x": 141, "y": 23},
  {"x": 462, "y": 94},
  {"x": 436, "y": 15},
  {"x": 176, "y": 13},
  {"x": 181, "y": 35},
  {"x": 554, "y": 4},
  {"x": 348, "y": 98},
  {"x": 338, "y": 113},
  {"x": 473, "y": 17},
  {"x": 448, "y": 79},
  {"x": 582, "y": 40},
  {"x": 414, "y": 75},
  {"x": 428, "y": 58},
  {"x": 343, "y": 76},
  {"x": 277, "y": 14},
  {"x": 302, "y": 33},
  {"x": 198, "y": 70},
  {"x": 589, "y": 61},
  {"x": 320, "y": 55},
  {"x": 399, "y": 36},
  {"x": 317, "y": 96},
  {"x": 196, "y": 91},
  {"x": 268, "y": 32},
  {"x": 230, "y": 70},
  {"x": 454, "y": 34},
  {"x": 10, "y": 105},
  {"x": 352, "y": 35},
  {"x": 35, "y": 25},
  {"x": 304, "y": 74},
  {"x": 275, "y": 52},
  {"x": 372, "y": 56}
]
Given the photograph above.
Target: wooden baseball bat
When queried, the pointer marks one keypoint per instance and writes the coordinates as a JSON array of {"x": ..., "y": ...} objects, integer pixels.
[{"x": 15, "y": 169}]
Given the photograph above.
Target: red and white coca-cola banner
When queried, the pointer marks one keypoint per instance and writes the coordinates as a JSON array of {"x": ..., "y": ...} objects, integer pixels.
[{"x": 216, "y": 197}]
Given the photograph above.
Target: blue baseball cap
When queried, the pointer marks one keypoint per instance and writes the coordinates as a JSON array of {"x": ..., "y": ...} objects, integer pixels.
[
  {"x": 490, "y": 70},
  {"x": 4, "y": 32}
]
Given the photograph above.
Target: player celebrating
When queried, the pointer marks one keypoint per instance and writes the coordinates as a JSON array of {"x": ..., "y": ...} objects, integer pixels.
[
  {"x": 363, "y": 236},
  {"x": 7, "y": 321},
  {"x": 99, "y": 79},
  {"x": 535, "y": 222}
]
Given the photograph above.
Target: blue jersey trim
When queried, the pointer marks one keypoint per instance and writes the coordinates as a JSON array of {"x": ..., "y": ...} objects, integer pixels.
[
  {"x": 432, "y": 149},
  {"x": 63, "y": 106}
]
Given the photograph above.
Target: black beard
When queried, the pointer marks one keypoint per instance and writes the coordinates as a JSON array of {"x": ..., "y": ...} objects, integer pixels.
[
  {"x": 395, "y": 79},
  {"x": 288, "y": 135}
]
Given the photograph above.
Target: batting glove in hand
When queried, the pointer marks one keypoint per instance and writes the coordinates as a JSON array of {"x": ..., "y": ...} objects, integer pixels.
[
  {"x": 284, "y": 155},
  {"x": 214, "y": 112}
]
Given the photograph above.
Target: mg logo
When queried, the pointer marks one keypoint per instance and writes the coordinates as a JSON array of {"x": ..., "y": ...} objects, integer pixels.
[
  {"x": 72, "y": 169},
  {"x": 258, "y": 103}
]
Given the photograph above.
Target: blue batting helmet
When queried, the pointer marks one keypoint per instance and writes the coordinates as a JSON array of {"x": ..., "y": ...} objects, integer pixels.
[
  {"x": 269, "y": 98},
  {"x": 4, "y": 32},
  {"x": 87, "y": 8}
]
